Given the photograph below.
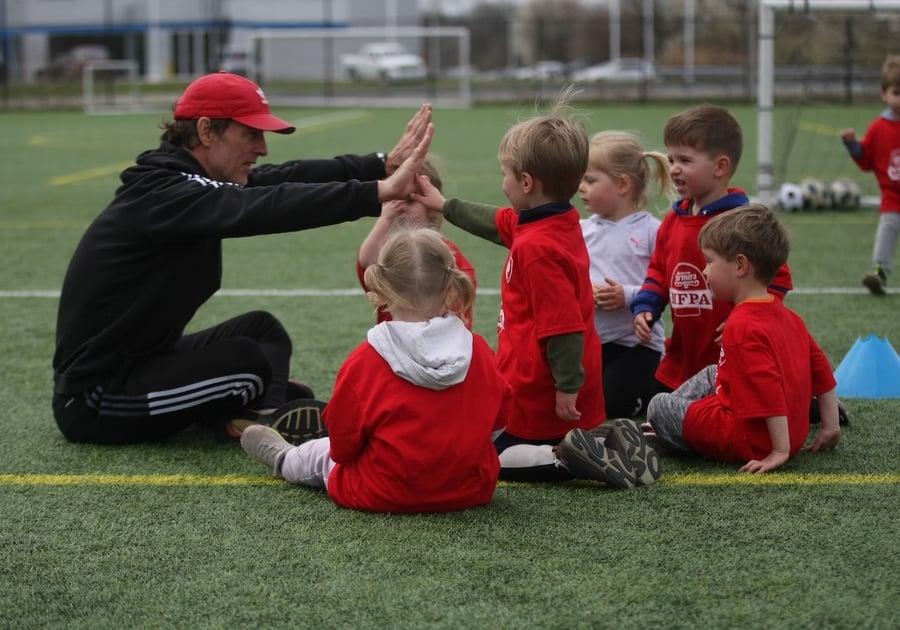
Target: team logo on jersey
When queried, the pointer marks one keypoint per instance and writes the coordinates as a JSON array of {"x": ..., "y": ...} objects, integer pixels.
[
  {"x": 893, "y": 169},
  {"x": 689, "y": 294},
  {"x": 509, "y": 269}
]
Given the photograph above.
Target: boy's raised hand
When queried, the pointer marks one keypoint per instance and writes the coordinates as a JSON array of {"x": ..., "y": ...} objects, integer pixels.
[{"x": 428, "y": 195}]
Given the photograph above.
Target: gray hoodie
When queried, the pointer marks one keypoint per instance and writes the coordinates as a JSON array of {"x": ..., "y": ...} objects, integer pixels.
[{"x": 435, "y": 354}]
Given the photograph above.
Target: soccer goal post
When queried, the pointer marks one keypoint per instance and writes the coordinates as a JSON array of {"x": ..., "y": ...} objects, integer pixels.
[
  {"x": 111, "y": 86},
  {"x": 310, "y": 66},
  {"x": 769, "y": 12}
]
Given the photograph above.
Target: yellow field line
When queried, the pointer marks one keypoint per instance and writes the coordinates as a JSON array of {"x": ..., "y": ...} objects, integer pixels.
[
  {"x": 678, "y": 479},
  {"x": 91, "y": 173}
]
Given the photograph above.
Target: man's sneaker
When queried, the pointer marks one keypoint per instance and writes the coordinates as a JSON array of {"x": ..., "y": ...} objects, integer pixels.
[
  {"x": 645, "y": 460},
  {"x": 875, "y": 282},
  {"x": 265, "y": 445},
  {"x": 298, "y": 421},
  {"x": 230, "y": 431},
  {"x": 587, "y": 458},
  {"x": 298, "y": 389}
]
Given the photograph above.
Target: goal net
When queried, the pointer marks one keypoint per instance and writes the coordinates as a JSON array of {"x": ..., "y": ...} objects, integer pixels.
[
  {"x": 111, "y": 87},
  {"x": 311, "y": 67},
  {"x": 819, "y": 73}
]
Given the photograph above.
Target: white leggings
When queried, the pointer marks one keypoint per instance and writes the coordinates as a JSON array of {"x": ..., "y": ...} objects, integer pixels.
[{"x": 309, "y": 464}]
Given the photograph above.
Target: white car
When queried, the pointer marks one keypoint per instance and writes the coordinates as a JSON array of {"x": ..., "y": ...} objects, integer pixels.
[
  {"x": 388, "y": 62},
  {"x": 625, "y": 69}
]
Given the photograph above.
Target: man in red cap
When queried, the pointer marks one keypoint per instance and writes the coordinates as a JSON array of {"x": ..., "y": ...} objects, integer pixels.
[{"x": 124, "y": 371}]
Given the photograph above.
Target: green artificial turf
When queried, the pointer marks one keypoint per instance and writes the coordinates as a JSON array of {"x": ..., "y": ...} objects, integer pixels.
[{"x": 193, "y": 534}]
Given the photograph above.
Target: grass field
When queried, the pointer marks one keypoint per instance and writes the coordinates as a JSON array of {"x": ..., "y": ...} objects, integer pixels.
[{"x": 192, "y": 533}]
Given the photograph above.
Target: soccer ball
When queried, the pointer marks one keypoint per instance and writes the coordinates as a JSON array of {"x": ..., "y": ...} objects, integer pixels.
[
  {"x": 845, "y": 193},
  {"x": 790, "y": 197},
  {"x": 815, "y": 193}
]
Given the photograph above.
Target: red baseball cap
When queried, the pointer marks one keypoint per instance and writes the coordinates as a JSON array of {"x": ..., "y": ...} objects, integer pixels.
[{"x": 227, "y": 95}]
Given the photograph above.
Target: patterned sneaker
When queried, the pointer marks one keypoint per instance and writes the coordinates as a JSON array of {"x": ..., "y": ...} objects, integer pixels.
[
  {"x": 875, "y": 282},
  {"x": 646, "y": 462},
  {"x": 298, "y": 421},
  {"x": 587, "y": 458},
  {"x": 266, "y": 446}
]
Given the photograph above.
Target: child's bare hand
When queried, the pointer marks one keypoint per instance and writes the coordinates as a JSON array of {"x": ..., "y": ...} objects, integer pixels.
[
  {"x": 642, "y": 324},
  {"x": 848, "y": 135},
  {"x": 390, "y": 210},
  {"x": 565, "y": 407},
  {"x": 719, "y": 329},
  {"x": 610, "y": 297},
  {"x": 826, "y": 438},
  {"x": 428, "y": 195},
  {"x": 772, "y": 461}
]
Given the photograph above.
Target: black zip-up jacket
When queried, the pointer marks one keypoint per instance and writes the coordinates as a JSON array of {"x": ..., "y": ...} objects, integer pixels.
[{"x": 154, "y": 255}]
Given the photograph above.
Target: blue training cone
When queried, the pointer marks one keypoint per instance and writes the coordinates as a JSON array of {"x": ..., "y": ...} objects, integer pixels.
[{"x": 871, "y": 369}]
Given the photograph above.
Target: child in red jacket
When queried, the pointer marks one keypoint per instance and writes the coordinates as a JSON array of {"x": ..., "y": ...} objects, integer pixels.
[
  {"x": 879, "y": 152},
  {"x": 415, "y": 406}
]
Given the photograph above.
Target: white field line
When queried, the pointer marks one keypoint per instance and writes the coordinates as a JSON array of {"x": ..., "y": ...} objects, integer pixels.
[{"x": 358, "y": 292}]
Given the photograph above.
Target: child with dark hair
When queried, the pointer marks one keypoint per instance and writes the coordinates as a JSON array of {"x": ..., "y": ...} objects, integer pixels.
[{"x": 751, "y": 407}]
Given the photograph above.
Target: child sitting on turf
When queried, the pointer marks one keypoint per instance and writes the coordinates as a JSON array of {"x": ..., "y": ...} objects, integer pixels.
[
  {"x": 548, "y": 348},
  {"x": 753, "y": 406},
  {"x": 414, "y": 407},
  {"x": 406, "y": 213},
  {"x": 704, "y": 143},
  {"x": 620, "y": 236}
]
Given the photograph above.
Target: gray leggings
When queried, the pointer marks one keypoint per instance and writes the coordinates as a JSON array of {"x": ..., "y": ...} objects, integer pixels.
[
  {"x": 886, "y": 240},
  {"x": 666, "y": 411}
]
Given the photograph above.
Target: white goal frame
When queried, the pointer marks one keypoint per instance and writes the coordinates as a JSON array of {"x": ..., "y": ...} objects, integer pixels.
[
  {"x": 459, "y": 98},
  {"x": 130, "y": 103},
  {"x": 765, "y": 174}
]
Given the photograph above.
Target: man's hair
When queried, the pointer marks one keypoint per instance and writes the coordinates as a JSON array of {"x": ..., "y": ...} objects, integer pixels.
[
  {"x": 707, "y": 128},
  {"x": 183, "y": 133},
  {"x": 890, "y": 72},
  {"x": 752, "y": 230},
  {"x": 417, "y": 270},
  {"x": 553, "y": 148}
]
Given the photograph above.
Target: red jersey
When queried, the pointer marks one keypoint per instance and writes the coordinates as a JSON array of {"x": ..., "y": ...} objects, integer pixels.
[
  {"x": 675, "y": 276},
  {"x": 383, "y": 315},
  {"x": 881, "y": 155},
  {"x": 769, "y": 366},
  {"x": 400, "y": 447},
  {"x": 545, "y": 291}
]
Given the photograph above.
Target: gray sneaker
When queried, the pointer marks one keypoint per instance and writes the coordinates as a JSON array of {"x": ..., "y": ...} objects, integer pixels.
[
  {"x": 265, "y": 445},
  {"x": 588, "y": 458},
  {"x": 645, "y": 460}
]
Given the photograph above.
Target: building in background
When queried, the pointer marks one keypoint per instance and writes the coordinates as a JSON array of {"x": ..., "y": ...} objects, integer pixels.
[{"x": 173, "y": 38}]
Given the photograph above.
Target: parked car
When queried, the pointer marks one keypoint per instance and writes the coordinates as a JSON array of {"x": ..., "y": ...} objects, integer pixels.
[
  {"x": 70, "y": 65},
  {"x": 542, "y": 71},
  {"x": 388, "y": 62},
  {"x": 624, "y": 70}
]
